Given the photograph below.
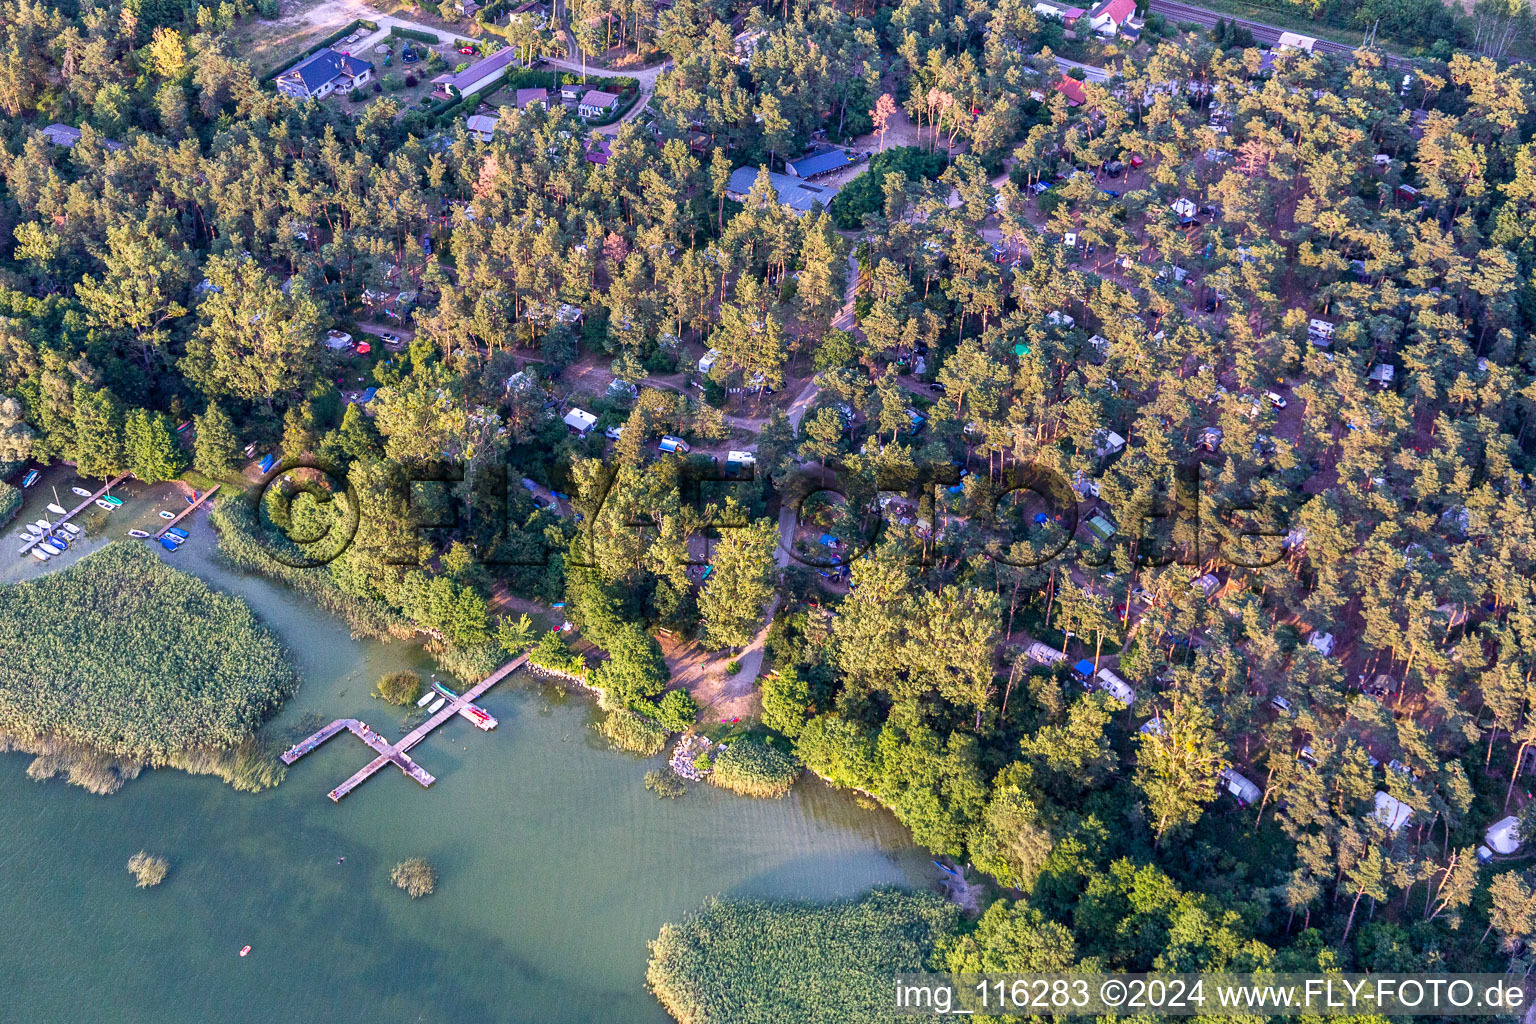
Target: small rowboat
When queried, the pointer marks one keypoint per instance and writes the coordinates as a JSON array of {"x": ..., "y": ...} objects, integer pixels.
[
  {"x": 48, "y": 547},
  {"x": 138, "y": 534},
  {"x": 167, "y": 515},
  {"x": 30, "y": 478},
  {"x": 113, "y": 501},
  {"x": 71, "y": 529},
  {"x": 40, "y": 554},
  {"x": 104, "y": 503},
  {"x": 58, "y": 510},
  {"x": 81, "y": 491},
  {"x": 245, "y": 951}
]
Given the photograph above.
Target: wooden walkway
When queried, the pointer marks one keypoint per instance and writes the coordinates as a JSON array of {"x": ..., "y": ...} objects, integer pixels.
[
  {"x": 185, "y": 512},
  {"x": 84, "y": 504},
  {"x": 395, "y": 753}
]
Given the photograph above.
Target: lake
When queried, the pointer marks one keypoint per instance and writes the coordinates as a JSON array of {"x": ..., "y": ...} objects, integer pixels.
[{"x": 556, "y": 865}]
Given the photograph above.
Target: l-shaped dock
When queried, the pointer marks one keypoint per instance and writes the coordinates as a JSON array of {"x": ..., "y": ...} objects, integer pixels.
[
  {"x": 395, "y": 753},
  {"x": 26, "y": 548}
]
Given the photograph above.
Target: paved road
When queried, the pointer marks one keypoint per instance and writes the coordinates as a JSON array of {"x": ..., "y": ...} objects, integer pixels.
[
  {"x": 1095, "y": 74},
  {"x": 645, "y": 76},
  {"x": 1261, "y": 32}
]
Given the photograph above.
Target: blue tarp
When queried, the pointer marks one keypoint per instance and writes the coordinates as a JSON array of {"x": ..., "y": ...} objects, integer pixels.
[
  {"x": 1084, "y": 668},
  {"x": 827, "y": 539}
]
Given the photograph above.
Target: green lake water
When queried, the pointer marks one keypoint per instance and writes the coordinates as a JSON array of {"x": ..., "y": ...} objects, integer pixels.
[{"x": 556, "y": 865}]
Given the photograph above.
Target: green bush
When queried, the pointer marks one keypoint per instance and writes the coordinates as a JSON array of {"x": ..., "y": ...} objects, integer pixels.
[
  {"x": 676, "y": 710},
  {"x": 414, "y": 33},
  {"x": 665, "y": 783},
  {"x": 165, "y": 664},
  {"x": 752, "y": 768},
  {"x": 399, "y": 688},
  {"x": 629, "y": 731},
  {"x": 148, "y": 869},
  {"x": 10, "y": 503},
  {"x": 755, "y": 962},
  {"x": 415, "y": 876},
  {"x": 866, "y": 193}
]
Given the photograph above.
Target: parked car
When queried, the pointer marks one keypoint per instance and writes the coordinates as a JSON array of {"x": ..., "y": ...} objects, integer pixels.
[{"x": 1275, "y": 399}]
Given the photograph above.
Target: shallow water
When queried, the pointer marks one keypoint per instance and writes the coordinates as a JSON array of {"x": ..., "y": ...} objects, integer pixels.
[{"x": 556, "y": 865}]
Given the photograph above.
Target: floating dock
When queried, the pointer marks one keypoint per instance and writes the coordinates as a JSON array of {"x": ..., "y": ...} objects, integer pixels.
[
  {"x": 85, "y": 504},
  {"x": 186, "y": 512},
  {"x": 395, "y": 753}
]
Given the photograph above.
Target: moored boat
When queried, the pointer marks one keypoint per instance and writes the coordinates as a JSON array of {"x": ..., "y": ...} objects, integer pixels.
[
  {"x": 47, "y": 545},
  {"x": 39, "y": 554},
  {"x": 30, "y": 478},
  {"x": 167, "y": 515},
  {"x": 437, "y": 705},
  {"x": 169, "y": 543},
  {"x": 176, "y": 531},
  {"x": 58, "y": 510},
  {"x": 112, "y": 500},
  {"x": 81, "y": 491},
  {"x": 43, "y": 525},
  {"x": 138, "y": 534},
  {"x": 104, "y": 503},
  {"x": 426, "y": 699},
  {"x": 72, "y": 529}
]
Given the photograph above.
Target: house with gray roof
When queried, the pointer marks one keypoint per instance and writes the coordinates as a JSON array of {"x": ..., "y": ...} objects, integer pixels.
[
  {"x": 323, "y": 73},
  {"x": 796, "y": 193},
  {"x": 480, "y": 75}
]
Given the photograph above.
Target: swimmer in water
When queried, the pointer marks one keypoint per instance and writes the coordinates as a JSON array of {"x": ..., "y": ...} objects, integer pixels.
[{"x": 340, "y": 859}]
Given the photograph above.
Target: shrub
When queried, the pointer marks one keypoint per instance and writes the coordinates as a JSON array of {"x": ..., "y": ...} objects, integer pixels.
[
  {"x": 665, "y": 783},
  {"x": 413, "y": 33},
  {"x": 410, "y": 81},
  {"x": 10, "y": 503},
  {"x": 629, "y": 731},
  {"x": 737, "y": 954},
  {"x": 752, "y": 768},
  {"x": 415, "y": 876},
  {"x": 205, "y": 677},
  {"x": 732, "y": 667},
  {"x": 148, "y": 868},
  {"x": 676, "y": 710},
  {"x": 399, "y": 688}
]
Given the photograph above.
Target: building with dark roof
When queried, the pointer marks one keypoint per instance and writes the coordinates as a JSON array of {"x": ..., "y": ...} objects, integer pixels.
[
  {"x": 528, "y": 97},
  {"x": 323, "y": 73},
  {"x": 812, "y": 165},
  {"x": 795, "y": 193}
]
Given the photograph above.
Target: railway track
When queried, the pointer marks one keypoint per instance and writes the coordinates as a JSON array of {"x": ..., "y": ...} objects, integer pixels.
[{"x": 1262, "y": 33}]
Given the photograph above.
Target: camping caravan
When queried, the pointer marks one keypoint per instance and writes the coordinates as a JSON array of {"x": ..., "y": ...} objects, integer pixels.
[
  {"x": 1107, "y": 443},
  {"x": 1116, "y": 687},
  {"x": 1043, "y": 654},
  {"x": 1503, "y": 836},
  {"x": 580, "y": 421},
  {"x": 672, "y": 444},
  {"x": 708, "y": 359},
  {"x": 1241, "y": 788},
  {"x": 1322, "y": 643},
  {"x": 1320, "y": 332}
]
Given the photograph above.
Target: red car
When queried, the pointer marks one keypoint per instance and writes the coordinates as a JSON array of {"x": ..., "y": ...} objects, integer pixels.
[{"x": 466, "y": 49}]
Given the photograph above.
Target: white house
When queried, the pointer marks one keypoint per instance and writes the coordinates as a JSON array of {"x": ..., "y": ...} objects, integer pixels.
[
  {"x": 1295, "y": 41},
  {"x": 1110, "y": 16},
  {"x": 323, "y": 73},
  {"x": 597, "y": 103},
  {"x": 480, "y": 75}
]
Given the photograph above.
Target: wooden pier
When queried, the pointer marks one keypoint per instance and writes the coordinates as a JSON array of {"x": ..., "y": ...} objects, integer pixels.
[
  {"x": 185, "y": 512},
  {"x": 395, "y": 753},
  {"x": 84, "y": 504}
]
